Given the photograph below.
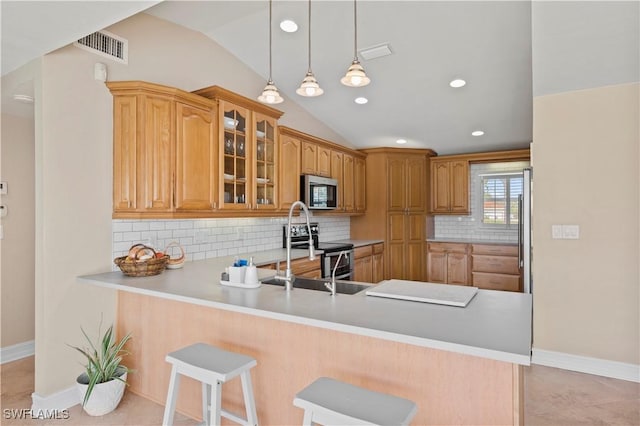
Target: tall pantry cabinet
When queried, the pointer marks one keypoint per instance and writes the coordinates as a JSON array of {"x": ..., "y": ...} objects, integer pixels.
[{"x": 397, "y": 182}]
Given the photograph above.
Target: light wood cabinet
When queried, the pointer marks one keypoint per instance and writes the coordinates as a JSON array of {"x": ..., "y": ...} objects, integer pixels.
[
  {"x": 348, "y": 188},
  {"x": 495, "y": 267},
  {"x": 449, "y": 186},
  {"x": 309, "y": 158},
  {"x": 368, "y": 263},
  {"x": 289, "y": 171},
  {"x": 396, "y": 193},
  {"x": 448, "y": 263},
  {"x": 196, "y": 154},
  {"x": 359, "y": 184},
  {"x": 305, "y": 268},
  {"x": 324, "y": 161},
  {"x": 337, "y": 173},
  {"x": 266, "y": 163},
  {"x": 377, "y": 263},
  {"x": 163, "y": 145}
]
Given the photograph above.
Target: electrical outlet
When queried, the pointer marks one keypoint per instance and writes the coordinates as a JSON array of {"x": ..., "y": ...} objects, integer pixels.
[
  {"x": 3, "y": 188},
  {"x": 556, "y": 232}
]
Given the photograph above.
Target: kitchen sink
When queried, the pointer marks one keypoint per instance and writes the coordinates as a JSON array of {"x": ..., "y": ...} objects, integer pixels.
[{"x": 316, "y": 284}]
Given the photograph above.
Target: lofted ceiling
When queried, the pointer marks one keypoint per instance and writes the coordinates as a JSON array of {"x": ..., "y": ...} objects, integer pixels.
[{"x": 486, "y": 43}]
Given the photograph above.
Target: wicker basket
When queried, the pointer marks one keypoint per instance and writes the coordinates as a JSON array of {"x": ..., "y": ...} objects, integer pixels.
[{"x": 133, "y": 266}]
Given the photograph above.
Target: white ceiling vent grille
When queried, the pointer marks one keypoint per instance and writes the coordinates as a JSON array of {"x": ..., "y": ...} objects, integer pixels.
[{"x": 105, "y": 44}]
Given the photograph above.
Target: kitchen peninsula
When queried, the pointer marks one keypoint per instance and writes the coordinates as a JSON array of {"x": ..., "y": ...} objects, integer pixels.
[{"x": 460, "y": 365}]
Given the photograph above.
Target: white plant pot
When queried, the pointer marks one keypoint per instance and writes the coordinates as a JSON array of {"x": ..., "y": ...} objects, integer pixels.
[{"x": 104, "y": 398}]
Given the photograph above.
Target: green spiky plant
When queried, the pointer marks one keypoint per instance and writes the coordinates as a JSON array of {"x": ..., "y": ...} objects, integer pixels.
[{"x": 103, "y": 360}]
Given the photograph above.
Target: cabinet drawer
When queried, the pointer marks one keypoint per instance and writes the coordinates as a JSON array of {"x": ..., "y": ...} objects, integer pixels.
[
  {"x": 364, "y": 251},
  {"x": 448, "y": 247},
  {"x": 378, "y": 248},
  {"x": 495, "y": 250},
  {"x": 497, "y": 264},
  {"x": 300, "y": 266},
  {"x": 496, "y": 281}
]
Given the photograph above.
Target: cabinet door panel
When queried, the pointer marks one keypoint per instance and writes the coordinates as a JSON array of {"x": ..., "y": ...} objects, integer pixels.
[
  {"x": 158, "y": 157},
  {"x": 377, "y": 269},
  {"x": 415, "y": 261},
  {"x": 289, "y": 174},
  {"x": 416, "y": 169},
  {"x": 496, "y": 281},
  {"x": 459, "y": 186},
  {"x": 125, "y": 142},
  {"x": 397, "y": 185},
  {"x": 457, "y": 267},
  {"x": 436, "y": 267},
  {"x": 265, "y": 162},
  {"x": 236, "y": 171},
  {"x": 309, "y": 158},
  {"x": 497, "y": 264},
  {"x": 395, "y": 261},
  {"x": 349, "y": 197},
  {"x": 359, "y": 185},
  {"x": 324, "y": 161},
  {"x": 440, "y": 187},
  {"x": 337, "y": 173},
  {"x": 195, "y": 159}
]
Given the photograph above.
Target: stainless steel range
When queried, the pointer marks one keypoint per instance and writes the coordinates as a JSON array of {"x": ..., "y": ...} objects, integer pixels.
[{"x": 330, "y": 251}]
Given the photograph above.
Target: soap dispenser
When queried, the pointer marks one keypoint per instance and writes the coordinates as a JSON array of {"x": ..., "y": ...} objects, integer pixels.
[{"x": 251, "y": 276}]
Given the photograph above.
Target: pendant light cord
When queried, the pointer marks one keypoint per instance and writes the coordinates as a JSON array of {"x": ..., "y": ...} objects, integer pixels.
[
  {"x": 270, "y": 71},
  {"x": 309, "y": 53},
  {"x": 355, "y": 32}
]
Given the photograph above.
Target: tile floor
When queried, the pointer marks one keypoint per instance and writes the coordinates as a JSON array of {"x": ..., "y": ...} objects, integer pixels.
[{"x": 552, "y": 397}]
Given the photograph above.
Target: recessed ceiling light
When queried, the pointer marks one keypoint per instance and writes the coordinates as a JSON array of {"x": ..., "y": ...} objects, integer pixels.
[
  {"x": 401, "y": 141},
  {"x": 23, "y": 98},
  {"x": 288, "y": 26},
  {"x": 361, "y": 100},
  {"x": 477, "y": 133},
  {"x": 458, "y": 82}
]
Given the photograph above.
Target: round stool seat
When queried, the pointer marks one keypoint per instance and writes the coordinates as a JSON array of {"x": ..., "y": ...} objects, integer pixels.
[{"x": 331, "y": 402}]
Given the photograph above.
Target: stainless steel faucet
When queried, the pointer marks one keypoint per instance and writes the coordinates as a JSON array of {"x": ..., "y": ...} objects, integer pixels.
[
  {"x": 331, "y": 286},
  {"x": 288, "y": 277}
]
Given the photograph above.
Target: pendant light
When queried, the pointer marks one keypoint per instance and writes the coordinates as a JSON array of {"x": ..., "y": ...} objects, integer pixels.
[
  {"x": 355, "y": 76},
  {"x": 309, "y": 86},
  {"x": 270, "y": 94}
]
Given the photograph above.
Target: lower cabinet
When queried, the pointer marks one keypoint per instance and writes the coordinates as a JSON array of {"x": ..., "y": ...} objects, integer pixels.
[
  {"x": 305, "y": 268},
  {"x": 486, "y": 266},
  {"x": 368, "y": 264},
  {"x": 495, "y": 267},
  {"x": 448, "y": 263}
]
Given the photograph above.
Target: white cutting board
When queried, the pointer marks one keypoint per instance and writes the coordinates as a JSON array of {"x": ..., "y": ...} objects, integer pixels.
[{"x": 417, "y": 291}]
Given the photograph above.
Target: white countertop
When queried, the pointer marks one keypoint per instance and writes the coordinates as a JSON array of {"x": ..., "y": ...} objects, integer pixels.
[
  {"x": 472, "y": 241},
  {"x": 495, "y": 325},
  {"x": 358, "y": 243}
]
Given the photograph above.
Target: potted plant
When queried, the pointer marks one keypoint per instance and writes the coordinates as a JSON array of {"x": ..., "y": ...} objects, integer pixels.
[{"x": 102, "y": 384}]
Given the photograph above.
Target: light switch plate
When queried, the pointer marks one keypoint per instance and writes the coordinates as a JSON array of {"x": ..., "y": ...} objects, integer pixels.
[
  {"x": 556, "y": 232},
  {"x": 571, "y": 232}
]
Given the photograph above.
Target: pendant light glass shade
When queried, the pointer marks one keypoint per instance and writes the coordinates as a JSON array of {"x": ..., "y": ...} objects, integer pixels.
[
  {"x": 355, "y": 77},
  {"x": 270, "y": 94},
  {"x": 309, "y": 86}
]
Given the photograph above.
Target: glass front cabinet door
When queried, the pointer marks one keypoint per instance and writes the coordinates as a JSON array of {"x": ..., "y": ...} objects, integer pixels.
[
  {"x": 265, "y": 163},
  {"x": 236, "y": 149}
]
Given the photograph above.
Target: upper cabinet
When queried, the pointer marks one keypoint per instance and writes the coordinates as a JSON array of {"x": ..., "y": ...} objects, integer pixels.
[
  {"x": 163, "y": 150},
  {"x": 449, "y": 186},
  {"x": 248, "y": 152},
  {"x": 324, "y": 158}
]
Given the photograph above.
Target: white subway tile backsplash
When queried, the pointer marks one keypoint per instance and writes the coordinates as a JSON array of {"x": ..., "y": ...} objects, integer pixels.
[{"x": 207, "y": 238}]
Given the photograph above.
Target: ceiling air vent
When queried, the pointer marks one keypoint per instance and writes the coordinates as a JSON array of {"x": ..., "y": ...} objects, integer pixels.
[{"x": 105, "y": 44}]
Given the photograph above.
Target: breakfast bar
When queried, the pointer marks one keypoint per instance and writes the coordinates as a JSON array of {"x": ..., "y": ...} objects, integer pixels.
[{"x": 460, "y": 365}]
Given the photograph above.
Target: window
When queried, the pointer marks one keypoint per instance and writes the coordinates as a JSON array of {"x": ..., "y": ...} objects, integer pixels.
[{"x": 500, "y": 199}]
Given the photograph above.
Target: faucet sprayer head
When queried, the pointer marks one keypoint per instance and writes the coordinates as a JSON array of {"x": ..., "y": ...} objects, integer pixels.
[{"x": 312, "y": 251}]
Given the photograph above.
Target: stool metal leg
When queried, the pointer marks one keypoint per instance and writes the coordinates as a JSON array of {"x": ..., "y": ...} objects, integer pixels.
[
  {"x": 216, "y": 402},
  {"x": 249, "y": 401},
  {"x": 172, "y": 396}
]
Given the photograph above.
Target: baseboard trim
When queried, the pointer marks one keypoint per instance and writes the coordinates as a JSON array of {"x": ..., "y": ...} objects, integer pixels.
[
  {"x": 17, "y": 351},
  {"x": 583, "y": 364},
  {"x": 61, "y": 400}
]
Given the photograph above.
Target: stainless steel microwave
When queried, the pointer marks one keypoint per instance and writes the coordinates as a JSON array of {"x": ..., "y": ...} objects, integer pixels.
[{"x": 319, "y": 193}]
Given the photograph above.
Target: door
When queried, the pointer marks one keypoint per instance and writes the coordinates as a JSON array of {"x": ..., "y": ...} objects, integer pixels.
[
  {"x": 157, "y": 162},
  {"x": 195, "y": 159}
]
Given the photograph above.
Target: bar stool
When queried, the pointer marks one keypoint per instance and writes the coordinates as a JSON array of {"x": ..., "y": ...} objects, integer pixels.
[
  {"x": 212, "y": 367},
  {"x": 331, "y": 402}
]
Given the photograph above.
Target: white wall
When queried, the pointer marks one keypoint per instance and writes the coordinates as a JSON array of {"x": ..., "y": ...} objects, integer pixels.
[
  {"x": 586, "y": 172},
  {"x": 18, "y": 274},
  {"x": 74, "y": 172}
]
